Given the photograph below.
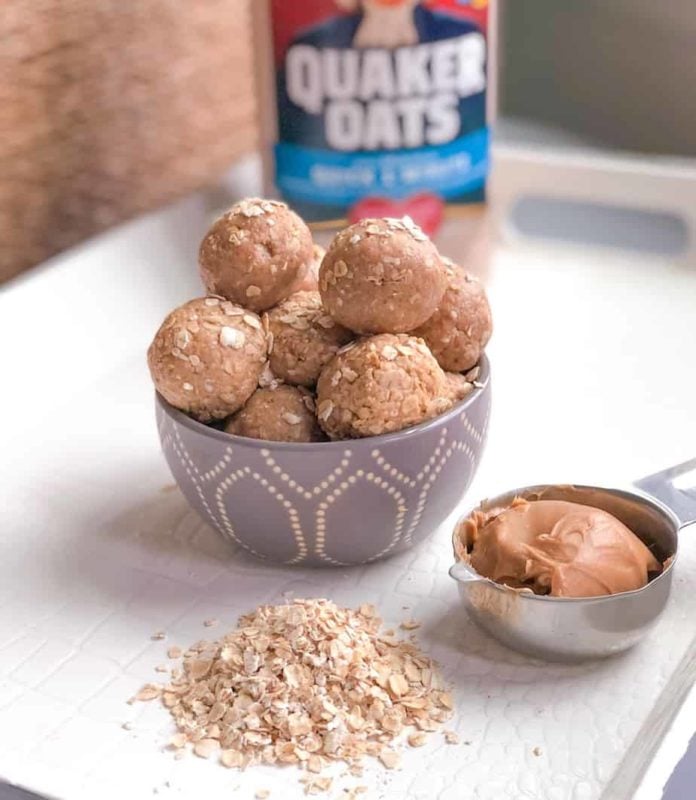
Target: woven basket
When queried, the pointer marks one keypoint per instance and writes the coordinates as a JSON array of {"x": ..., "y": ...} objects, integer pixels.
[{"x": 109, "y": 109}]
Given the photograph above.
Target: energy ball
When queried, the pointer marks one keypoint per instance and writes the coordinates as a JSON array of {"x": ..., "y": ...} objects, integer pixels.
[
  {"x": 283, "y": 414},
  {"x": 309, "y": 275},
  {"x": 460, "y": 329},
  {"x": 459, "y": 386},
  {"x": 254, "y": 253},
  {"x": 207, "y": 356},
  {"x": 378, "y": 385},
  {"x": 304, "y": 338},
  {"x": 382, "y": 276}
]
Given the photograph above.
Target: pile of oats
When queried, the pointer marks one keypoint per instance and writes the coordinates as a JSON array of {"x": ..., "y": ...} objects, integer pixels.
[{"x": 305, "y": 683}]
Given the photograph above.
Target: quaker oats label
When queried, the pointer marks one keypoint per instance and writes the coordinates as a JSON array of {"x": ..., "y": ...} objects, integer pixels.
[{"x": 380, "y": 103}]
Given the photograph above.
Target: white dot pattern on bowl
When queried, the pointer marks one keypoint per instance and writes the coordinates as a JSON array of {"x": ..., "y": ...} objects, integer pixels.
[{"x": 317, "y": 505}]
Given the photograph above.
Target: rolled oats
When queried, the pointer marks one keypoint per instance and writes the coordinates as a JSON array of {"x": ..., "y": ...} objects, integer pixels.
[
  {"x": 304, "y": 683},
  {"x": 417, "y": 739},
  {"x": 149, "y": 692}
]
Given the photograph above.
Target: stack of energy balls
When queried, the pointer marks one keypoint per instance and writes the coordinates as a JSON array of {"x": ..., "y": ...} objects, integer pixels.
[{"x": 296, "y": 345}]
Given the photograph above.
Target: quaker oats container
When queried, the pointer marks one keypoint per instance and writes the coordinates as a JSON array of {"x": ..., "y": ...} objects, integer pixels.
[{"x": 329, "y": 503}]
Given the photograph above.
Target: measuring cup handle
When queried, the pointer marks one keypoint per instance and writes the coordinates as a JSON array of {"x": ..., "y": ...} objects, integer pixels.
[
  {"x": 463, "y": 573},
  {"x": 682, "y": 501}
]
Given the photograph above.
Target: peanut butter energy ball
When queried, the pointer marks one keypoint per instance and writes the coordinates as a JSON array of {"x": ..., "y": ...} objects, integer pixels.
[
  {"x": 459, "y": 330},
  {"x": 304, "y": 338},
  {"x": 459, "y": 386},
  {"x": 380, "y": 384},
  {"x": 309, "y": 275},
  {"x": 207, "y": 356},
  {"x": 254, "y": 253},
  {"x": 382, "y": 276},
  {"x": 283, "y": 414}
]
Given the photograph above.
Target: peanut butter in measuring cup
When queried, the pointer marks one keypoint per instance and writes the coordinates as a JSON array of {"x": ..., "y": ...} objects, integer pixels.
[{"x": 374, "y": 108}]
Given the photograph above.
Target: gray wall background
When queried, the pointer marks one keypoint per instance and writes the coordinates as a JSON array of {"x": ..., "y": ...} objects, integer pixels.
[{"x": 620, "y": 73}]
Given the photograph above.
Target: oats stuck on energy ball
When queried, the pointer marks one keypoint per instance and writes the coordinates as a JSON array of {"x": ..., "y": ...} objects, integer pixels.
[
  {"x": 309, "y": 275},
  {"x": 207, "y": 356},
  {"x": 304, "y": 338},
  {"x": 378, "y": 385},
  {"x": 254, "y": 253},
  {"x": 459, "y": 386},
  {"x": 460, "y": 329},
  {"x": 382, "y": 276},
  {"x": 283, "y": 414}
]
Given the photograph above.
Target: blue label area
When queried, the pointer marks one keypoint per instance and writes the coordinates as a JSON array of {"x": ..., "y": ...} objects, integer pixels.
[{"x": 315, "y": 175}]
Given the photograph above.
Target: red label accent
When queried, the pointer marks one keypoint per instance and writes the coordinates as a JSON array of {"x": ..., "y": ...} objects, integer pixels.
[
  {"x": 289, "y": 18},
  {"x": 425, "y": 209}
]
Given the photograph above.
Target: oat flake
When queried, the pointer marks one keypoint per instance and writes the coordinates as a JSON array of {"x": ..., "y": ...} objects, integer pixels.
[{"x": 231, "y": 337}]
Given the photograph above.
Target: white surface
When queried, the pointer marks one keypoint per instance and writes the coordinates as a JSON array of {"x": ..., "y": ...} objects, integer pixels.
[
  {"x": 593, "y": 380},
  {"x": 671, "y": 751},
  {"x": 663, "y": 189}
]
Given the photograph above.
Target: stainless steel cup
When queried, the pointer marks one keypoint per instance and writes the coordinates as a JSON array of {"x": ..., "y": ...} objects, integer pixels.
[{"x": 571, "y": 629}]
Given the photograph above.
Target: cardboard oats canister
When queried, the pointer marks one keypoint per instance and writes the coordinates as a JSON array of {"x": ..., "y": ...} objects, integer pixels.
[{"x": 380, "y": 108}]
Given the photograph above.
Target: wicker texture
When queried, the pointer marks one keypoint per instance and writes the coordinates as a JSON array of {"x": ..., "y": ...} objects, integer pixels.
[{"x": 110, "y": 108}]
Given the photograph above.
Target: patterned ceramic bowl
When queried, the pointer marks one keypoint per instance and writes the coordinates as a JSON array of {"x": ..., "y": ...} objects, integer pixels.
[{"x": 329, "y": 503}]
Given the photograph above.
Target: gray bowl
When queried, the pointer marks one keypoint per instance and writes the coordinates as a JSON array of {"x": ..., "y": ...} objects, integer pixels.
[{"x": 328, "y": 503}]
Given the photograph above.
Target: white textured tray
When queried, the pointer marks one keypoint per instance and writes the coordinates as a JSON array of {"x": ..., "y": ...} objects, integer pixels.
[{"x": 95, "y": 556}]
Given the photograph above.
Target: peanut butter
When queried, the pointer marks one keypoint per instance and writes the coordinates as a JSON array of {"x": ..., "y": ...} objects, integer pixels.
[{"x": 557, "y": 548}]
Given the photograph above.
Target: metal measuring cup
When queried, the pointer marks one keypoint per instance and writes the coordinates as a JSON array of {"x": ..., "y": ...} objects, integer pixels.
[{"x": 570, "y": 629}]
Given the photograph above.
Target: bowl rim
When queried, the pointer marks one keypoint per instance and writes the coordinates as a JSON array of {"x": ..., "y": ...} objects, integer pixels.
[{"x": 312, "y": 447}]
